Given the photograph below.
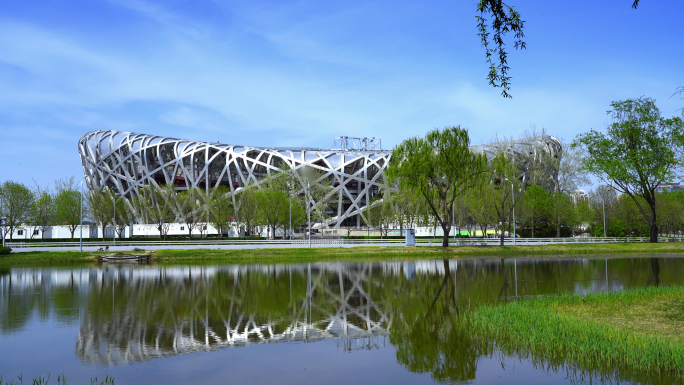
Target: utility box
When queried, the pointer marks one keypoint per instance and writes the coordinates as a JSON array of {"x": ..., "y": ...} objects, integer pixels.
[{"x": 410, "y": 237}]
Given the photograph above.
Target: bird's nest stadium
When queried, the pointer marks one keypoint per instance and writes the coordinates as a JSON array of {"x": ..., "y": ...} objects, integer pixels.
[{"x": 126, "y": 162}]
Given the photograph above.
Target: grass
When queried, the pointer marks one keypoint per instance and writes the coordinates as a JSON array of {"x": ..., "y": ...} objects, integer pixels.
[
  {"x": 627, "y": 334},
  {"x": 352, "y": 253},
  {"x": 61, "y": 379}
]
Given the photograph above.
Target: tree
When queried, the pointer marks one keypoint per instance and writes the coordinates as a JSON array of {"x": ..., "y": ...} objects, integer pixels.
[
  {"x": 16, "y": 201},
  {"x": 583, "y": 214},
  {"x": 43, "y": 210},
  {"x": 101, "y": 204},
  {"x": 670, "y": 208},
  {"x": 570, "y": 174},
  {"x": 505, "y": 187},
  {"x": 561, "y": 210},
  {"x": 505, "y": 19},
  {"x": 638, "y": 152},
  {"x": 68, "y": 203},
  {"x": 381, "y": 215},
  {"x": 438, "y": 167},
  {"x": 155, "y": 204},
  {"x": 277, "y": 204},
  {"x": 274, "y": 206},
  {"x": 319, "y": 191},
  {"x": 220, "y": 209},
  {"x": 408, "y": 209},
  {"x": 534, "y": 206},
  {"x": 481, "y": 207},
  {"x": 191, "y": 206},
  {"x": 125, "y": 215},
  {"x": 247, "y": 209}
]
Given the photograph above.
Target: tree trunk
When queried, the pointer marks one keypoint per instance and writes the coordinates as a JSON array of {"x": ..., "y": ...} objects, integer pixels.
[
  {"x": 558, "y": 230},
  {"x": 445, "y": 236},
  {"x": 501, "y": 232},
  {"x": 532, "y": 226},
  {"x": 653, "y": 232}
]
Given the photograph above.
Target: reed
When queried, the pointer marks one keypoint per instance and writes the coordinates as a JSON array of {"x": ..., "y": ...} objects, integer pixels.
[
  {"x": 61, "y": 380},
  {"x": 557, "y": 328}
]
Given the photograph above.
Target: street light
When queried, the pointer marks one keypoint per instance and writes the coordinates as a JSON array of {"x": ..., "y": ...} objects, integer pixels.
[
  {"x": 2, "y": 219},
  {"x": 604, "y": 215},
  {"x": 513, "y": 197},
  {"x": 308, "y": 206},
  {"x": 2, "y": 222},
  {"x": 114, "y": 219},
  {"x": 80, "y": 241}
]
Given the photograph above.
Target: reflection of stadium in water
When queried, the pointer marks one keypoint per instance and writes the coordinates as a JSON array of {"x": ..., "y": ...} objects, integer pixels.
[
  {"x": 187, "y": 314},
  {"x": 131, "y": 313}
]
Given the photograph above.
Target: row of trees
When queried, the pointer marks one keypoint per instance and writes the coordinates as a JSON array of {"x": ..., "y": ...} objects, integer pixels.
[
  {"x": 40, "y": 207},
  {"x": 433, "y": 181},
  {"x": 639, "y": 151},
  {"x": 279, "y": 202}
]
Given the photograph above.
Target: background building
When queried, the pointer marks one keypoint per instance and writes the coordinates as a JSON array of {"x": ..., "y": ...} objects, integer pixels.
[{"x": 354, "y": 169}]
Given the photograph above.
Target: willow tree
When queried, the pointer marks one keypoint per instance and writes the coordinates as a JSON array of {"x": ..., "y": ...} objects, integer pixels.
[
  {"x": 220, "y": 209},
  {"x": 68, "y": 202},
  {"x": 505, "y": 188},
  {"x": 640, "y": 150},
  {"x": 154, "y": 204},
  {"x": 438, "y": 168},
  {"x": 101, "y": 206}
]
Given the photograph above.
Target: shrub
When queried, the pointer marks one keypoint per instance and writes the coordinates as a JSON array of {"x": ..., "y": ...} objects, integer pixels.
[{"x": 5, "y": 250}]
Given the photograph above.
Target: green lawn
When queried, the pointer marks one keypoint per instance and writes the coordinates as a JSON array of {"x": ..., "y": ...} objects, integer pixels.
[
  {"x": 630, "y": 333},
  {"x": 354, "y": 253}
]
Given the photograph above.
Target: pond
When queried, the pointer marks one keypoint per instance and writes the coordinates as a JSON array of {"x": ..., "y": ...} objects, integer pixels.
[{"x": 382, "y": 322}]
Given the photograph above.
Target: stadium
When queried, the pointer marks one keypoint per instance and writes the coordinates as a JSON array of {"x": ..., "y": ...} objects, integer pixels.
[{"x": 354, "y": 167}]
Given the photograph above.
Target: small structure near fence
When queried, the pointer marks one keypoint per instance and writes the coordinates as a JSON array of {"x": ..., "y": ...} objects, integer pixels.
[{"x": 410, "y": 237}]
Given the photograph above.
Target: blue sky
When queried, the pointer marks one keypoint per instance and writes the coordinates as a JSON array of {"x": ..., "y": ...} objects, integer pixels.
[{"x": 292, "y": 73}]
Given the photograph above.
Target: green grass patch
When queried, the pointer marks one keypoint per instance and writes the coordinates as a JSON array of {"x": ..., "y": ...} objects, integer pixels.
[
  {"x": 627, "y": 334},
  {"x": 293, "y": 255}
]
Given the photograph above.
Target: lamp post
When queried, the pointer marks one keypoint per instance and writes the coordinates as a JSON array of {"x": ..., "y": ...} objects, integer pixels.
[
  {"x": 2, "y": 222},
  {"x": 289, "y": 195},
  {"x": 604, "y": 214},
  {"x": 114, "y": 219},
  {"x": 513, "y": 197},
  {"x": 80, "y": 241},
  {"x": 308, "y": 207},
  {"x": 2, "y": 219}
]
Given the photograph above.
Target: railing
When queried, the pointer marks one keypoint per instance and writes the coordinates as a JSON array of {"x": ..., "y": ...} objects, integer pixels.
[{"x": 380, "y": 242}]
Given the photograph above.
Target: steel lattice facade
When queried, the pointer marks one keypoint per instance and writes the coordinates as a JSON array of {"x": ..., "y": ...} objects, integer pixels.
[
  {"x": 126, "y": 162},
  {"x": 534, "y": 152}
]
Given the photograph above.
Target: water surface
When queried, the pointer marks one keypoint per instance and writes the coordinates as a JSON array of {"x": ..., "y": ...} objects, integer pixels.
[{"x": 381, "y": 322}]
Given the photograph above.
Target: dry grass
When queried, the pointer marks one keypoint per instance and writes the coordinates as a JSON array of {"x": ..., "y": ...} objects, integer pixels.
[
  {"x": 661, "y": 316},
  {"x": 629, "y": 334}
]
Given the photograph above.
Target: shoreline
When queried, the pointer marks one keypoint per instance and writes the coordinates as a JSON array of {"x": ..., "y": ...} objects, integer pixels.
[
  {"x": 293, "y": 255},
  {"x": 630, "y": 333}
]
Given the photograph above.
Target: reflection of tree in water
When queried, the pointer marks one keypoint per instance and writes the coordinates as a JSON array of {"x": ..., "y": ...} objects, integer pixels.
[
  {"x": 27, "y": 294},
  {"x": 132, "y": 313},
  {"x": 429, "y": 334},
  {"x": 654, "y": 279}
]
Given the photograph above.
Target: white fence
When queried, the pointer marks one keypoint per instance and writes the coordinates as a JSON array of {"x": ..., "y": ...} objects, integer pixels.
[{"x": 300, "y": 242}]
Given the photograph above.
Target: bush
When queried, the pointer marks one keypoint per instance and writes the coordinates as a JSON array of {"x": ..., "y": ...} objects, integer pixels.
[{"x": 5, "y": 250}]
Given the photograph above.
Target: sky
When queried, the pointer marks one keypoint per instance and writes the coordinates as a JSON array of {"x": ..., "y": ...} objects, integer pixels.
[{"x": 300, "y": 73}]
